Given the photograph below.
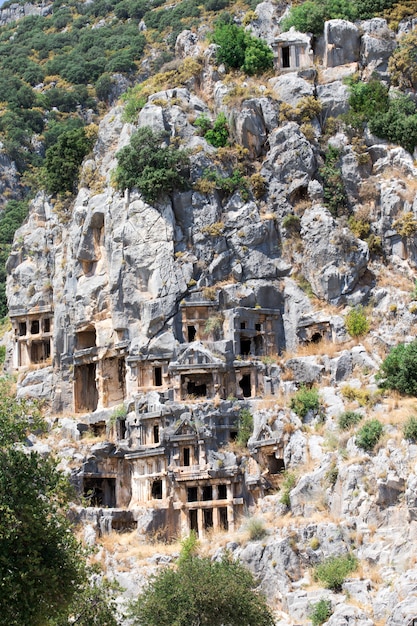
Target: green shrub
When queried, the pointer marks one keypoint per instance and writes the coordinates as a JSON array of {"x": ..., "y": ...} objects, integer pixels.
[
  {"x": 309, "y": 17},
  {"x": 320, "y": 612},
  {"x": 2, "y": 354},
  {"x": 410, "y": 429},
  {"x": 245, "y": 427},
  {"x": 104, "y": 86},
  {"x": 150, "y": 165},
  {"x": 305, "y": 400},
  {"x": 240, "y": 50},
  {"x": 332, "y": 474},
  {"x": 11, "y": 218},
  {"x": 348, "y": 419},
  {"x": 356, "y": 322},
  {"x": 393, "y": 118},
  {"x": 399, "y": 369},
  {"x": 334, "y": 193},
  {"x": 369, "y": 435},
  {"x": 63, "y": 160},
  {"x": 333, "y": 571},
  {"x": 405, "y": 224},
  {"x": 366, "y": 100},
  {"x": 258, "y": 56},
  {"x": 287, "y": 484},
  {"x": 218, "y": 135},
  {"x": 228, "y": 184},
  {"x": 398, "y": 124}
]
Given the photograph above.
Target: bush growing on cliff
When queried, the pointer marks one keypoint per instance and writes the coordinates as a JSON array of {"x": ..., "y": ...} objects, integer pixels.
[
  {"x": 216, "y": 133},
  {"x": 402, "y": 65},
  {"x": 399, "y": 369},
  {"x": 63, "y": 160},
  {"x": 309, "y": 17},
  {"x": 305, "y": 400},
  {"x": 410, "y": 429},
  {"x": 333, "y": 571},
  {"x": 240, "y": 50},
  {"x": 334, "y": 193},
  {"x": 356, "y": 322},
  {"x": 369, "y": 435},
  {"x": 150, "y": 165},
  {"x": 202, "y": 591},
  {"x": 320, "y": 612},
  {"x": 245, "y": 427},
  {"x": 392, "y": 118},
  {"x": 347, "y": 419}
]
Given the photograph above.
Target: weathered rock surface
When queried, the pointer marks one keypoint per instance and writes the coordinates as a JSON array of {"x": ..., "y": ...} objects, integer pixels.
[{"x": 121, "y": 270}]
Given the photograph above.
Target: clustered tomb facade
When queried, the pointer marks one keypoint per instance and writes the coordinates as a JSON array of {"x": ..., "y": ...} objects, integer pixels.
[{"x": 164, "y": 396}]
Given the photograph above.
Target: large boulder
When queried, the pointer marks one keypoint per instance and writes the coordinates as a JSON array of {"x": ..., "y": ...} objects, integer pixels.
[
  {"x": 290, "y": 88},
  {"x": 290, "y": 163},
  {"x": 377, "y": 45},
  {"x": 334, "y": 98},
  {"x": 250, "y": 128},
  {"x": 342, "y": 43},
  {"x": 334, "y": 260}
]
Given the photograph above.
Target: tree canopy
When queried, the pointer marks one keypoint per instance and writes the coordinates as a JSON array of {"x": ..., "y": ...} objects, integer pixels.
[
  {"x": 150, "y": 165},
  {"x": 399, "y": 369},
  {"x": 199, "y": 591},
  {"x": 240, "y": 50},
  {"x": 44, "y": 576}
]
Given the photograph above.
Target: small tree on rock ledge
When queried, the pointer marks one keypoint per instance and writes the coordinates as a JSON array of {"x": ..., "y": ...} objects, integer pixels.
[
  {"x": 150, "y": 165},
  {"x": 201, "y": 592}
]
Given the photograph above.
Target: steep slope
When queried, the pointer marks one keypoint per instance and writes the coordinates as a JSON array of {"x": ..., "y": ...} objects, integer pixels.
[{"x": 165, "y": 324}]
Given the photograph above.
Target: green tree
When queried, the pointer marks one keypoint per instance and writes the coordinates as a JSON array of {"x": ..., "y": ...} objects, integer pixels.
[
  {"x": 63, "y": 160},
  {"x": 104, "y": 86},
  {"x": 201, "y": 591},
  {"x": 399, "y": 369},
  {"x": 40, "y": 565},
  {"x": 150, "y": 165},
  {"x": 240, "y": 50},
  {"x": 44, "y": 578}
]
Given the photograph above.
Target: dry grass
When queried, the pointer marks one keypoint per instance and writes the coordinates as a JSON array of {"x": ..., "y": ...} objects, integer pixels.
[
  {"x": 325, "y": 347},
  {"x": 287, "y": 375},
  {"x": 271, "y": 402},
  {"x": 409, "y": 189},
  {"x": 396, "y": 409},
  {"x": 128, "y": 545},
  {"x": 401, "y": 281}
]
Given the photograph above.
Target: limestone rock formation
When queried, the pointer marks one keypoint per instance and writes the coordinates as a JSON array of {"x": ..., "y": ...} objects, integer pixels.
[{"x": 168, "y": 337}]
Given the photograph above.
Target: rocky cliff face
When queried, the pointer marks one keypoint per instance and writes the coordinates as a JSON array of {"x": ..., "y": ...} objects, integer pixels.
[{"x": 207, "y": 295}]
